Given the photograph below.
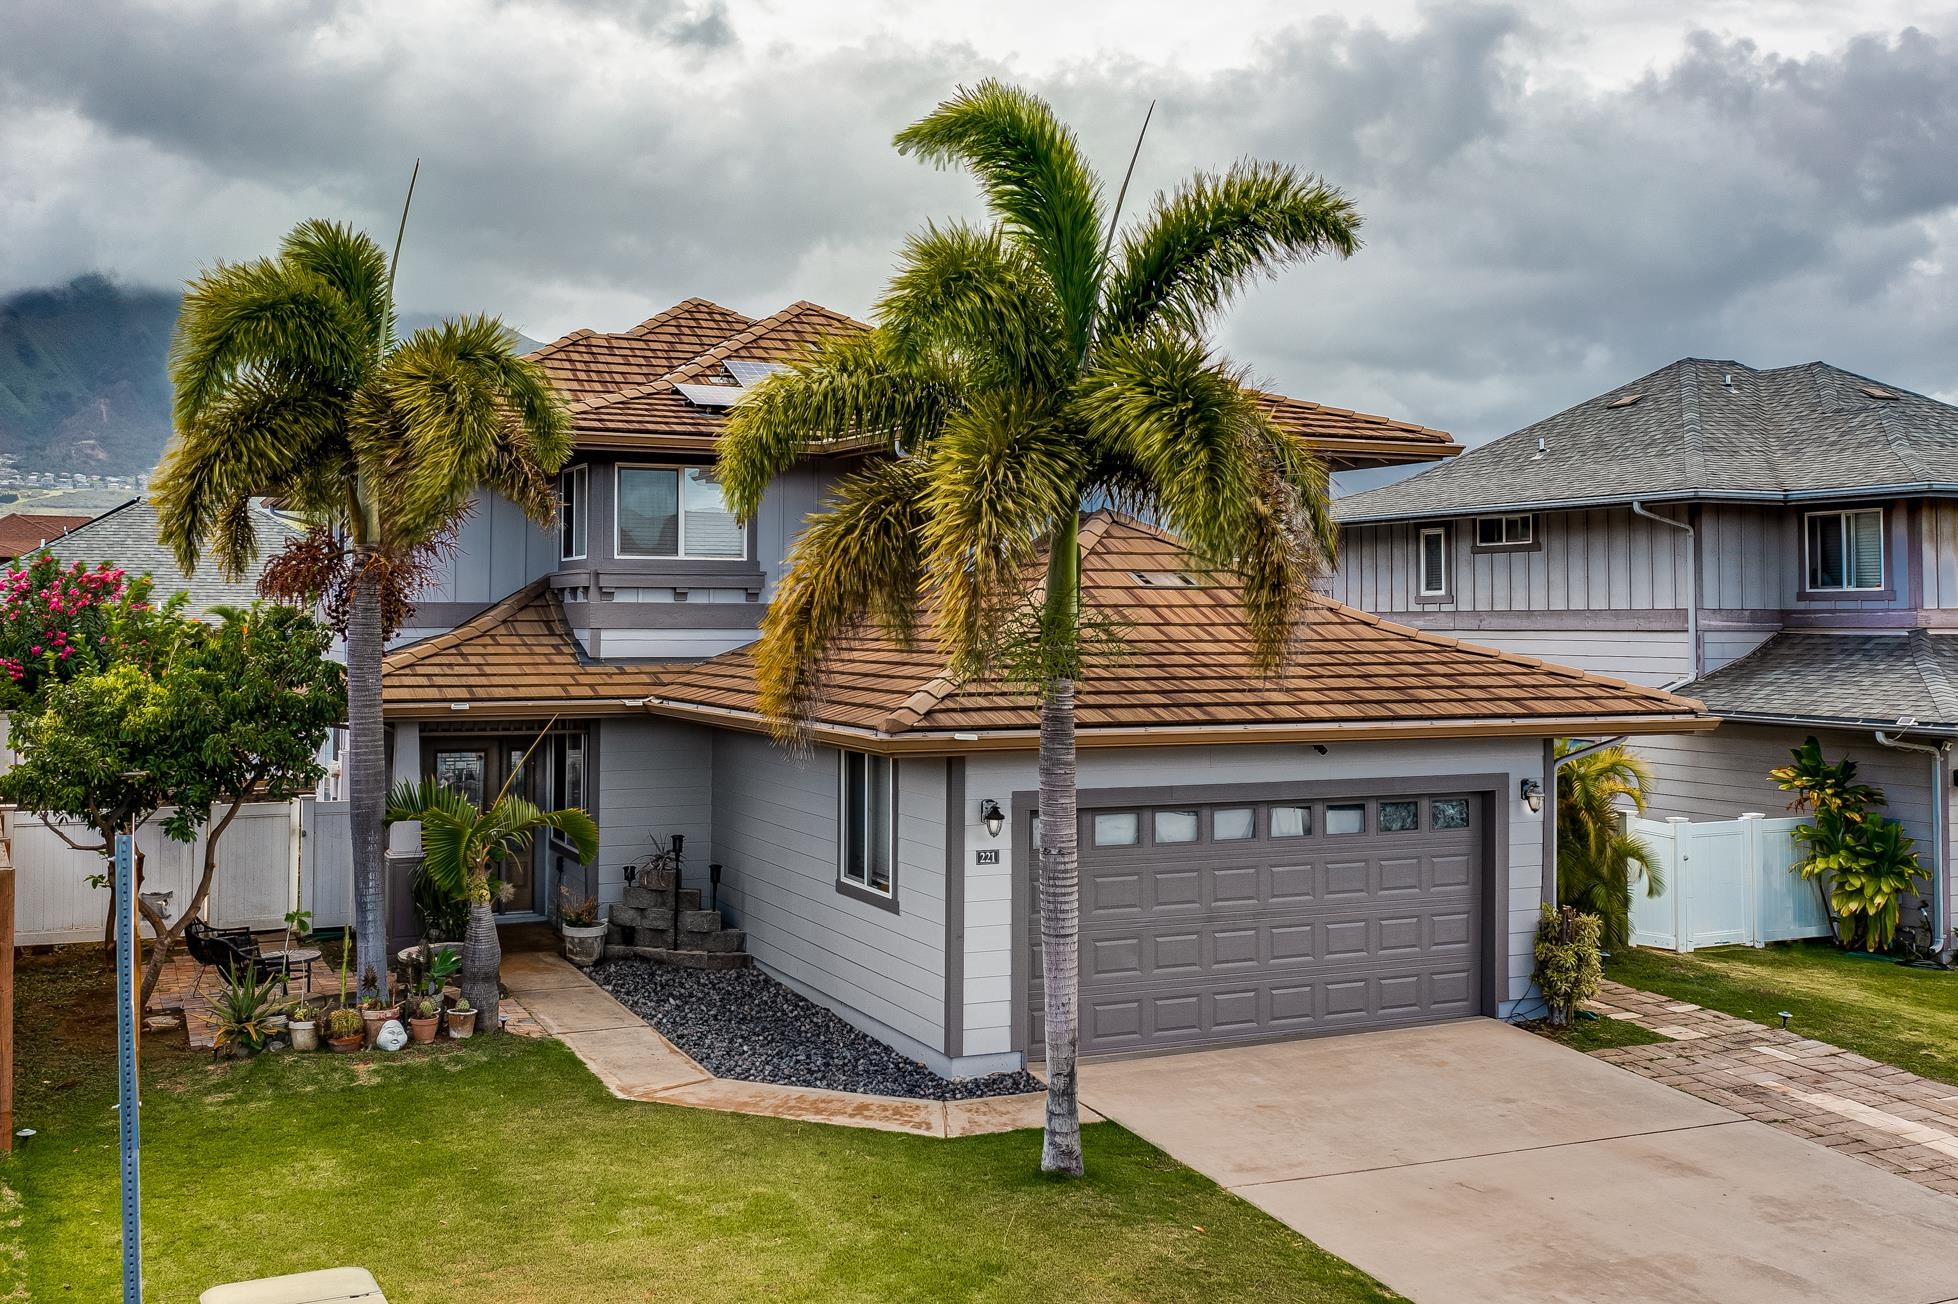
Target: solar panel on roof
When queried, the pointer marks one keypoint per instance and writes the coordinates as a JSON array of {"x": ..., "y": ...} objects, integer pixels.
[
  {"x": 711, "y": 396},
  {"x": 747, "y": 372}
]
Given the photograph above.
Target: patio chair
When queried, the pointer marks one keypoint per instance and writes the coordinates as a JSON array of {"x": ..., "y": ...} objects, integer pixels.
[{"x": 231, "y": 951}]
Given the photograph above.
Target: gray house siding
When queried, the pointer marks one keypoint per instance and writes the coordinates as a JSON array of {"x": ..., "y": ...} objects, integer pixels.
[
  {"x": 1938, "y": 551},
  {"x": 1752, "y": 562},
  {"x": 775, "y": 819},
  {"x": 497, "y": 552},
  {"x": 651, "y": 778}
]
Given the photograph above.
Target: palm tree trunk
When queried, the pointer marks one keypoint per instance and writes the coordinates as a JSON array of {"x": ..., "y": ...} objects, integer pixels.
[
  {"x": 1060, "y": 868},
  {"x": 482, "y": 958},
  {"x": 367, "y": 775}
]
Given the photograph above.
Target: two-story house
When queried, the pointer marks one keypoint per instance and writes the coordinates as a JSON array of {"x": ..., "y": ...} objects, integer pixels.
[
  {"x": 1356, "y": 843},
  {"x": 1780, "y": 544}
]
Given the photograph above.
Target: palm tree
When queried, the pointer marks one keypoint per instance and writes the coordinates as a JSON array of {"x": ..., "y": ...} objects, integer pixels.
[
  {"x": 461, "y": 844},
  {"x": 290, "y": 383},
  {"x": 1598, "y": 860},
  {"x": 1017, "y": 371}
]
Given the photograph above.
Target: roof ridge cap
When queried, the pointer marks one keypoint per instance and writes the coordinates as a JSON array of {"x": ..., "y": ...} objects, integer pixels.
[
  {"x": 922, "y": 699},
  {"x": 1943, "y": 691}
]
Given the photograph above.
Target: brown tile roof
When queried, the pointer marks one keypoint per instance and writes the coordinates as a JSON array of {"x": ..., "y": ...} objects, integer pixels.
[
  {"x": 518, "y": 655},
  {"x": 1185, "y": 674},
  {"x": 22, "y": 532},
  {"x": 624, "y": 399}
]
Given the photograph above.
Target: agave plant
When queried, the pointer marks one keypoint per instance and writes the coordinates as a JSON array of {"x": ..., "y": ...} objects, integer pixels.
[{"x": 245, "y": 1007}]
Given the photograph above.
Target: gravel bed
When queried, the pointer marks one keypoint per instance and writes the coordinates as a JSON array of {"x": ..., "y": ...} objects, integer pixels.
[{"x": 740, "y": 1023}]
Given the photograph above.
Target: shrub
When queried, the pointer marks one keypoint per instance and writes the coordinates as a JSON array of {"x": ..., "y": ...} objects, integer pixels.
[
  {"x": 1568, "y": 965},
  {"x": 1863, "y": 863}
]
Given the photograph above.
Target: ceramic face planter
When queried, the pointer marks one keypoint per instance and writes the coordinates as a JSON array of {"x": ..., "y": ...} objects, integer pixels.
[{"x": 392, "y": 1035}]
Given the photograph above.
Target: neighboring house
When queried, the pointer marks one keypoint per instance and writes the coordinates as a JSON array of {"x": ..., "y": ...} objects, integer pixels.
[
  {"x": 22, "y": 533},
  {"x": 127, "y": 536},
  {"x": 1780, "y": 544},
  {"x": 1348, "y": 845}
]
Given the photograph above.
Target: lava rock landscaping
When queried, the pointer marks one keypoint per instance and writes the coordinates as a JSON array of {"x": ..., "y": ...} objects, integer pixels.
[{"x": 740, "y": 1023}]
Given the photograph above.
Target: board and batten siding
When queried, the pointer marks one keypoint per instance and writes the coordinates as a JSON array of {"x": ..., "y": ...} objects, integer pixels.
[
  {"x": 651, "y": 778},
  {"x": 1752, "y": 559},
  {"x": 1938, "y": 550},
  {"x": 775, "y": 815},
  {"x": 990, "y": 986}
]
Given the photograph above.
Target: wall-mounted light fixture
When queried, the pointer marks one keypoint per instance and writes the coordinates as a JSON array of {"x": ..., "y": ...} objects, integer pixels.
[
  {"x": 992, "y": 817},
  {"x": 1533, "y": 795}
]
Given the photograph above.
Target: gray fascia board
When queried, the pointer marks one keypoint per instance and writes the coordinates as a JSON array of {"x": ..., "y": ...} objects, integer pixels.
[
  {"x": 1935, "y": 728},
  {"x": 1930, "y": 489}
]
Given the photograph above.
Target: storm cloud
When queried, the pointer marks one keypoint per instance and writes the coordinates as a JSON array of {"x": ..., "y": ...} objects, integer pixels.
[{"x": 1534, "y": 233}]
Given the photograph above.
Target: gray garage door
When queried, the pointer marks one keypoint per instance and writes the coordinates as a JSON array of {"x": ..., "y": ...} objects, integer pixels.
[{"x": 1222, "y": 921}]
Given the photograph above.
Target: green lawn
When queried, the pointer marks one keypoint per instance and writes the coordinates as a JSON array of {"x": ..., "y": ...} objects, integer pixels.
[
  {"x": 1906, "y": 1017},
  {"x": 499, "y": 1170},
  {"x": 1587, "y": 1033}
]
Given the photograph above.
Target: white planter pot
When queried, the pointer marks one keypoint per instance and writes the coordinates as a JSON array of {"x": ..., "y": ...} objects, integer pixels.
[
  {"x": 583, "y": 946},
  {"x": 305, "y": 1035}
]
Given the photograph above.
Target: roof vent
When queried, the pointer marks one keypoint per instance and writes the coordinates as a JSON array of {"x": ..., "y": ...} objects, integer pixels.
[
  {"x": 1164, "y": 579},
  {"x": 1878, "y": 391},
  {"x": 1542, "y": 447},
  {"x": 1727, "y": 380},
  {"x": 1624, "y": 400}
]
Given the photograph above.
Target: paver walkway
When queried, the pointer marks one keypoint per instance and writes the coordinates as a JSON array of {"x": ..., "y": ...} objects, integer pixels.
[
  {"x": 636, "y": 1063},
  {"x": 1882, "y": 1115}
]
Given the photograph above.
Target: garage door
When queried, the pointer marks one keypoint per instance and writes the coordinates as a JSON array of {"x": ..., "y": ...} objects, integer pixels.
[{"x": 1214, "y": 922}]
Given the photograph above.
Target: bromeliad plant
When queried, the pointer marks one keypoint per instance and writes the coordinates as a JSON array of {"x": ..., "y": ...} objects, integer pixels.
[
  {"x": 1018, "y": 371},
  {"x": 462, "y": 843},
  {"x": 1861, "y": 863}
]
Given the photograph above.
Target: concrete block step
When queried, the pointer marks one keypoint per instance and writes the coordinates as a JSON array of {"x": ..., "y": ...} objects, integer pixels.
[
  {"x": 728, "y": 939},
  {"x": 693, "y": 959},
  {"x": 700, "y": 921}
]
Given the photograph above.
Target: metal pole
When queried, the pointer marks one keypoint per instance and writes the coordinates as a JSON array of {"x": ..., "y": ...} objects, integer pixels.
[
  {"x": 126, "y": 1121},
  {"x": 6, "y": 999}
]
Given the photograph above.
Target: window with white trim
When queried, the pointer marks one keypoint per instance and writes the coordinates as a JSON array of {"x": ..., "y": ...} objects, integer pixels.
[
  {"x": 573, "y": 524},
  {"x": 1516, "y": 531},
  {"x": 869, "y": 802},
  {"x": 1433, "y": 562},
  {"x": 1845, "y": 549},
  {"x": 676, "y": 512}
]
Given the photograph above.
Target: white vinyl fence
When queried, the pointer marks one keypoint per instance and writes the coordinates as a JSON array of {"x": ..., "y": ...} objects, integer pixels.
[
  {"x": 274, "y": 856},
  {"x": 1727, "y": 881}
]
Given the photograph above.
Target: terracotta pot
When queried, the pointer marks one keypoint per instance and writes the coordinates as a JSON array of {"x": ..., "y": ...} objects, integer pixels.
[
  {"x": 344, "y": 1045},
  {"x": 374, "y": 1019},
  {"x": 461, "y": 1023},
  {"x": 305, "y": 1034},
  {"x": 584, "y": 947},
  {"x": 423, "y": 1030}
]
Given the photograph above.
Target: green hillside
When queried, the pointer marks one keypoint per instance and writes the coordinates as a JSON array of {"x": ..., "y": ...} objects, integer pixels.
[{"x": 83, "y": 385}]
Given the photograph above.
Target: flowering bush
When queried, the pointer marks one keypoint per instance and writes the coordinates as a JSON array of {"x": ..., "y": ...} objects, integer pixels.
[{"x": 57, "y": 621}]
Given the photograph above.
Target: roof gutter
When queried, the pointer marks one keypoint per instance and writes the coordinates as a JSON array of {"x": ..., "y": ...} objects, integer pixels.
[
  {"x": 1692, "y": 580},
  {"x": 1940, "y": 838}
]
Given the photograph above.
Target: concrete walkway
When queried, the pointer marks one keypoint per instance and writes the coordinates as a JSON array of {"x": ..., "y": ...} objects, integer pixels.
[
  {"x": 1472, "y": 1162},
  {"x": 636, "y": 1063},
  {"x": 1882, "y": 1115}
]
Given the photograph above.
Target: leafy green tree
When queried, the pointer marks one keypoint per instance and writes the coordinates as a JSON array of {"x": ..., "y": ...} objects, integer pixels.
[
  {"x": 1017, "y": 371},
  {"x": 463, "y": 844},
  {"x": 290, "y": 383},
  {"x": 225, "y": 714},
  {"x": 1598, "y": 859}
]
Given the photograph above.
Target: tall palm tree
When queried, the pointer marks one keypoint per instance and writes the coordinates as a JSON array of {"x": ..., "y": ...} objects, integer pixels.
[
  {"x": 1018, "y": 370},
  {"x": 1598, "y": 860},
  {"x": 290, "y": 383},
  {"x": 462, "y": 844}
]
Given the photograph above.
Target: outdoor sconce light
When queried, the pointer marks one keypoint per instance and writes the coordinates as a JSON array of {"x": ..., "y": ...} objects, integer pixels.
[
  {"x": 1533, "y": 795},
  {"x": 992, "y": 816}
]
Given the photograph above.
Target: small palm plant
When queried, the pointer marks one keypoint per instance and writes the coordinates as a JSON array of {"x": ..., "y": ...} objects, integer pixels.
[
  {"x": 1861, "y": 862},
  {"x": 462, "y": 844},
  {"x": 1598, "y": 860}
]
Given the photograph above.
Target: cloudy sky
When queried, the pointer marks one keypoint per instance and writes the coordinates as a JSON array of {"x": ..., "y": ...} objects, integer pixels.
[{"x": 1559, "y": 196}]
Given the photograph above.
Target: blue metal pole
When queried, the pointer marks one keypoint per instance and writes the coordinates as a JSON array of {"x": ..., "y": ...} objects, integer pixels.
[{"x": 127, "y": 1122}]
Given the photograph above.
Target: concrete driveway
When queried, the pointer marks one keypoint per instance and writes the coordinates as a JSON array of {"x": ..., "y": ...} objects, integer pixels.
[{"x": 1473, "y": 1162}]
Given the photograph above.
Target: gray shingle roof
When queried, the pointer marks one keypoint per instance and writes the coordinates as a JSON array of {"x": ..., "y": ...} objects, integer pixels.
[
  {"x": 1870, "y": 680},
  {"x": 1698, "y": 428},
  {"x": 126, "y": 535}
]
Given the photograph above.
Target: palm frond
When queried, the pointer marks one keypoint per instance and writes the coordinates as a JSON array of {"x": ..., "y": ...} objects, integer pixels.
[
  {"x": 858, "y": 559},
  {"x": 966, "y": 293},
  {"x": 354, "y": 265},
  {"x": 1030, "y": 168},
  {"x": 1201, "y": 243}
]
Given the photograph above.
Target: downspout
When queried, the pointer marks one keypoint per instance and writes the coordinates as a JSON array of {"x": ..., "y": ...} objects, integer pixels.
[
  {"x": 1692, "y": 582},
  {"x": 1940, "y": 839}
]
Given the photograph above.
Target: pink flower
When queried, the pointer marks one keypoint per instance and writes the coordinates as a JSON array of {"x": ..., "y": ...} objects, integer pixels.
[{"x": 36, "y": 649}]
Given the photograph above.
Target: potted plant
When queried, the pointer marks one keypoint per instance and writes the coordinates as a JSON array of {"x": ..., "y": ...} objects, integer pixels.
[
  {"x": 344, "y": 1030},
  {"x": 426, "y": 1019},
  {"x": 581, "y": 929},
  {"x": 461, "y": 1019},
  {"x": 372, "y": 1011},
  {"x": 303, "y": 1024}
]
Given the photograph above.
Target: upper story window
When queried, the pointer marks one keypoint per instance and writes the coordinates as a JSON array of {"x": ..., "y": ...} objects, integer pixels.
[
  {"x": 1516, "y": 531},
  {"x": 1845, "y": 549},
  {"x": 675, "y": 511},
  {"x": 573, "y": 507},
  {"x": 1433, "y": 562},
  {"x": 868, "y": 847}
]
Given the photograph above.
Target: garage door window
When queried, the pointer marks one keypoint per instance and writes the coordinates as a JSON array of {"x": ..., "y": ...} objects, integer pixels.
[
  {"x": 1175, "y": 826},
  {"x": 1351, "y": 818},
  {"x": 1452, "y": 813},
  {"x": 1233, "y": 824},
  {"x": 1291, "y": 821},
  {"x": 1118, "y": 829},
  {"x": 1400, "y": 816}
]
